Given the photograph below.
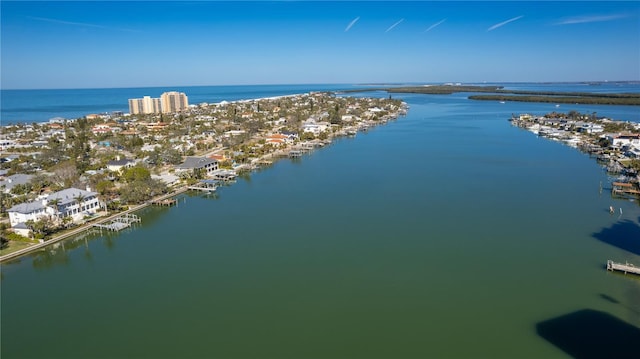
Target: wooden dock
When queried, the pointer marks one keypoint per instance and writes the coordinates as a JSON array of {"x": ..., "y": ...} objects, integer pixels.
[
  {"x": 624, "y": 188},
  {"x": 626, "y": 268},
  {"x": 168, "y": 202},
  {"x": 295, "y": 153}
]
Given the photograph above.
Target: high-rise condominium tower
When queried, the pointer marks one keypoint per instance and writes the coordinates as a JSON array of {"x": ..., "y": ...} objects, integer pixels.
[{"x": 174, "y": 102}]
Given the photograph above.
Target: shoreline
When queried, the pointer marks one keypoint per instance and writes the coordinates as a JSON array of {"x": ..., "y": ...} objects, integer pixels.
[
  {"x": 498, "y": 93},
  {"x": 256, "y": 163},
  {"x": 86, "y": 226}
]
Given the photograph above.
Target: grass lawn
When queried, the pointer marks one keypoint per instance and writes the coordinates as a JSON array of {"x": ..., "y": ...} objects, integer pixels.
[{"x": 14, "y": 246}]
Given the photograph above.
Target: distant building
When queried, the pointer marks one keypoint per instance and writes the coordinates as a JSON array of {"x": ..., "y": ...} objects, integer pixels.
[
  {"x": 168, "y": 102},
  {"x": 144, "y": 105},
  {"x": 174, "y": 102}
]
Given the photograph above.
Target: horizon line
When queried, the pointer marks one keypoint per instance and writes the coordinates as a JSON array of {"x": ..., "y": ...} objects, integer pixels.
[{"x": 329, "y": 83}]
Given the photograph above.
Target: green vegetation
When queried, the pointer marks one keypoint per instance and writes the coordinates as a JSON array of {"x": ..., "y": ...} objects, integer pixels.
[{"x": 630, "y": 99}]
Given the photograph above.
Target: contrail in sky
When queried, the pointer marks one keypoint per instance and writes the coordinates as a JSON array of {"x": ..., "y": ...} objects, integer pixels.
[
  {"x": 394, "y": 25},
  {"x": 353, "y": 22},
  {"x": 504, "y": 23},
  {"x": 56, "y": 21},
  {"x": 434, "y": 25},
  {"x": 588, "y": 19}
]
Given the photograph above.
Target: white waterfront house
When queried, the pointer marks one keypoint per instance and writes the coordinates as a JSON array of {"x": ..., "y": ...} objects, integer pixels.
[
  {"x": 314, "y": 127},
  {"x": 624, "y": 139},
  {"x": 70, "y": 202}
]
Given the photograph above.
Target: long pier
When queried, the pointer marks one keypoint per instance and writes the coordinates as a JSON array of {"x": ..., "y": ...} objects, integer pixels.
[{"x": 626, "y": 268}]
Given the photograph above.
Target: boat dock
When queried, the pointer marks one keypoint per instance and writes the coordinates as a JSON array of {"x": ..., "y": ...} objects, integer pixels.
[
  {"x": 222, "y": 175},
  {"x": 626, "y": 268},
  {"x": 119, "y": 223},
  {"x": 295, "y": 153},
  {"x": 165, "y": 202},
  {"x": 205, "y": 186},
  {"x": 623, "y": 188}
]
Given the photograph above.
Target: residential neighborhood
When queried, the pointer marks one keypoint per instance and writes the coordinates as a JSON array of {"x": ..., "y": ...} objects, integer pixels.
[
  {"x": 62, "y": 173},
  {"x": 614, "y": 144}
]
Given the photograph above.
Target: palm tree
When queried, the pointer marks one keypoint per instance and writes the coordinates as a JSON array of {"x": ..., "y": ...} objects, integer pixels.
[
  {"x": 54, "y": 203},
  {"x": 79, "y": 198}
]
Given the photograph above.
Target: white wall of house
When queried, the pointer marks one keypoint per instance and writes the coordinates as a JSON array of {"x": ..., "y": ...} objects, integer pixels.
[{"x": 67, "y": 207}]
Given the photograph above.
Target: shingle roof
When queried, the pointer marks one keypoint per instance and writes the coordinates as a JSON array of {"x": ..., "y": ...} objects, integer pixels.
[
  {"x": 195, "y": 162},
  {"x": 14, "y": 180},
  {"x": 26, "y": 208},
  {"x": 65, "y": 196},
  {"x": 68, "y": 195}
]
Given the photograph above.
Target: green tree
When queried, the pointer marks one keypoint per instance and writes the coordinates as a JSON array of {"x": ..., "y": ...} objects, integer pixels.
[
  {"x": 136, "y": 173},
  {"x": 54, "y": 203},
  {"x": 79, "y": 198}
]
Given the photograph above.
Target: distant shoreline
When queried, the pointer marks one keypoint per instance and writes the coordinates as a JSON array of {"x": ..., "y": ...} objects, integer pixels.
[{"x": 497, "y": 93}]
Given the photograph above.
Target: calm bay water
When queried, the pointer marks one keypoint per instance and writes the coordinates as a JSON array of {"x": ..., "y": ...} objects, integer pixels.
[
  {"x": 27, "y": 106},
  {"x": 447, "y": 233}
]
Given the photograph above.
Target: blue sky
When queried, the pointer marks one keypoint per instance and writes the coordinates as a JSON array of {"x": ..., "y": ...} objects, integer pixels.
[{"x": 136, "y": 44}]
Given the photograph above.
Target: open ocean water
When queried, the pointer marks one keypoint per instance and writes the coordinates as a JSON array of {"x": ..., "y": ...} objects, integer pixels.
[{"x": 447, "y": 234}]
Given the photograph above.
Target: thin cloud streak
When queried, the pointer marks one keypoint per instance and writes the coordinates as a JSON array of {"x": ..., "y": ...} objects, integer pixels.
[
  {"x": 394, "y": 25},
  {"x": 434, "y": 25},
  {"x": 504, "y": 23},
  {"x": 353, "y": 22},
  {"x": 72, "y": 23},
  {"x": 56, "y": 21},
  {"x": 588, "y": 19}
]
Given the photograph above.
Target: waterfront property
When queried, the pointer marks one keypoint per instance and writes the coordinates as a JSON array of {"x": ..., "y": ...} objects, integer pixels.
[
  {"x": 165, "y": 202},
  {"x": 616, "y": 151},
  {"x": 205, "y": 186},
  {"x": 356, "y": 263},
  {"x": 192, "y": 165},
  {"x": 119, "y": 223},
  {"x": 71, "y": 202}
]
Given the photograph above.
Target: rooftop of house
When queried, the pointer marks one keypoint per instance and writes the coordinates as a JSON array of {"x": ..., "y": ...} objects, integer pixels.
[
  {"x": 18, "y": 179},
  {"x": 120, "y": 162},
  {"x": 195, "y": 162},
  {"x": 27, "y": 207},
  {"x": 69, "y": 195}
]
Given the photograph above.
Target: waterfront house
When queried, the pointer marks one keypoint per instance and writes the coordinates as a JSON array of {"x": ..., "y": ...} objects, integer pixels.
[
  {"x": 71, "y": 202},
  {"x": 314, "y": 127},
  {"x": 620, "y": 140},
  {"x": 193, "y": 164}
]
